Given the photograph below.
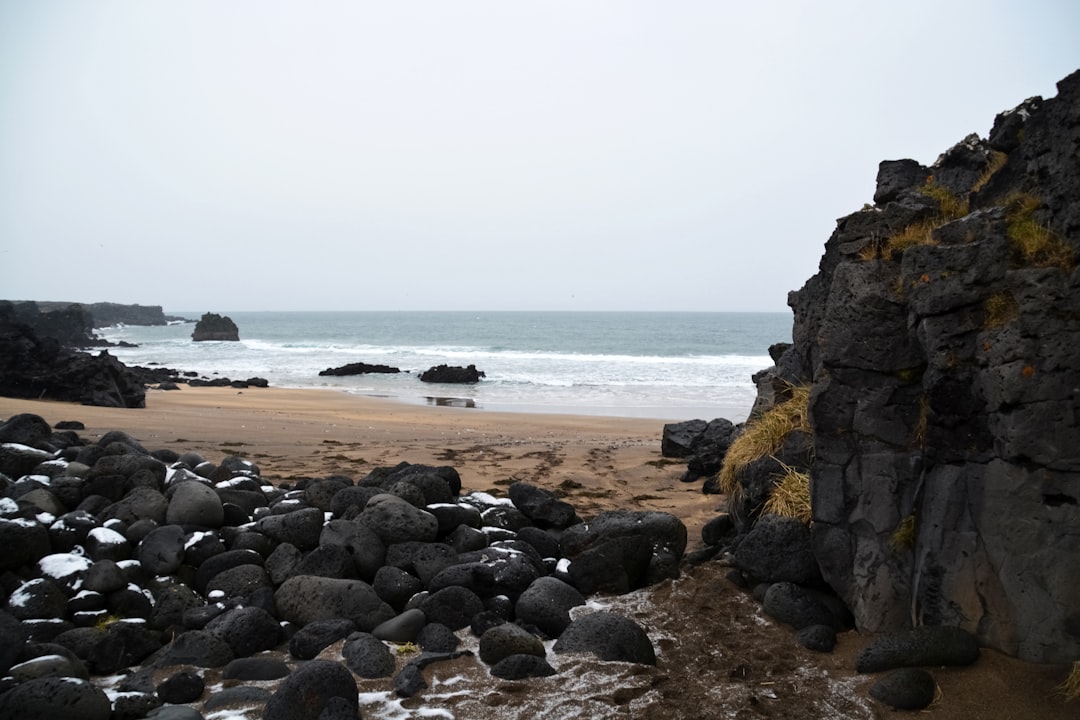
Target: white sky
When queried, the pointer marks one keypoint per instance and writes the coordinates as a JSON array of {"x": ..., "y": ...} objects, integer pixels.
[{"x": 322, "y": 154}]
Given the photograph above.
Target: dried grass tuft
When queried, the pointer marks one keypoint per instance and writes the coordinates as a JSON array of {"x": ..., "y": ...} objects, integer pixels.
[
  {"x": 764, "y": 436},
  {"x": 1071, "y": 687},
  {"x": 1034, "y": 244},
  {"x": 790, "y": 496}
]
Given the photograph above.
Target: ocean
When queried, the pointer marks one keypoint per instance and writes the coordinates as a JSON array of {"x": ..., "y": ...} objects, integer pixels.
[{"x": 664, "y": 365}]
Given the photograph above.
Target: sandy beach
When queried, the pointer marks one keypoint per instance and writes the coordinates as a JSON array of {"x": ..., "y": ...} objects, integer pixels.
[
  {"x": 719, "y": 656},
  {"x": 598, "y": 462}
]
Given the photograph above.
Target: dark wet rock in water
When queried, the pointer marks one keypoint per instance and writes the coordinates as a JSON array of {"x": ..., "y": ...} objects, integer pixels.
[
  {"x": 905, "y": 689},
  {"x": 546, "y": 604},
  {"x": 609, "y": 637},
  {"x": 212, "y": 326},
  {"x": 359, "y": 368},
  {"x": 409, "y": 681},
  {"x": 452, "y": 374},
  {"x": 928, "y": 645},
  {"x": 519, "y": 667},
  {"x": 309, "y": 690}
]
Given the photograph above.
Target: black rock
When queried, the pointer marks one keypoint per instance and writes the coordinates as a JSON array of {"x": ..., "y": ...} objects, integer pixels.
[
  {"x": 311, "y": 639},
  {"x": 927, "y": 645},
  {"x": 519, "y": 667},
  {"x": 508, "y": 639},
  {"x": 542, "y": 506},
  {"x": 452, "y": 606},
  {"x": 546, "y": 604},
  {"x": 778, "y": 549},
  {"x": 367, "y": 656},
  {"x": 181, "y": 687},
  {"x": 905, "y": 689},
  {"x": 309, "y": 689},
  {"x": 359, "y": 368},
  {"x": 820, "y": 638},
  {"x": 451, "y": 374},
  {"x": 247, "y": 630},
  {"x": 48, "y": 698},
  {"x": 608, "y": 636}
]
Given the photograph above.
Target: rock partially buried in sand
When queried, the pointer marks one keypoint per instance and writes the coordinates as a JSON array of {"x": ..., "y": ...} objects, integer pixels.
[
  {"x": 919, "y": 646},
  {"x": 608, "y": 636},
  {"x": 905, "y": 689}
]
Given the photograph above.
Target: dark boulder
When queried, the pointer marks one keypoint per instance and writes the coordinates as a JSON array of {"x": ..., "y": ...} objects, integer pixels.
[
  {"x": 608, "y": 636},
  {"x": 247, "y": 630},
  {"x": 195, "y": 647},
  {"x": 306, "y": 598},
  {"x": 926, "y": 645},
  {"x": 778, "y": 549},
  {"x": 546, "y": 605},
  {"x": 624, "y": 550},
  {"x": 181, "y": 687},
  {"x": 311, "y": 639},
  {"x": 520, "y": 667},
  {"x": 453, "y": 607},
  {"x": 307, "y": 692},
  {"x": 508, "y": 639},
  {"x": 367, "y": 656},
  {"x": 678, "y": 438},
  {"x": 542, "y": 506},
  {"x": 905, "y": 689},
  {"x": 49, "y": 698}
]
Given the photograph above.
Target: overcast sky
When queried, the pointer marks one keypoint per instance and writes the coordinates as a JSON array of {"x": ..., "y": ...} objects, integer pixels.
[{"x": 344, "y": 155}]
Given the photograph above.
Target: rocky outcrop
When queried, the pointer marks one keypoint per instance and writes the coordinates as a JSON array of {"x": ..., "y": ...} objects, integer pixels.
[
  {"x": 452, "y": 374},
  {"x": 940, "y": 339},
  {"x": 36, "y": 367},
  {"x": 212, "y": 326},
  {"x": 358, "y": 368},
  {"x": 71, "y": 325}
]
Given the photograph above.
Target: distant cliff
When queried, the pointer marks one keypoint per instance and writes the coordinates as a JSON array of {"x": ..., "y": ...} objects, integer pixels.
[
  {"x": 104, "y": 314},
  {"x": 936, "y": 358}
]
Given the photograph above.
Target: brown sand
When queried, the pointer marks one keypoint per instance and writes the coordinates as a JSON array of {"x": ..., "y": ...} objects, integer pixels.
[{"x": 717, "y": 658}]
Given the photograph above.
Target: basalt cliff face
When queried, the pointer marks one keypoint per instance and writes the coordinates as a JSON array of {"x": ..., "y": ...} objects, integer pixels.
[{"x": 940, "y": 339}]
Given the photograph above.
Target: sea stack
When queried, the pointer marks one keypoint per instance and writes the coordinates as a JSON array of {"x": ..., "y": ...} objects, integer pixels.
[{"x": 215, "y": 327}]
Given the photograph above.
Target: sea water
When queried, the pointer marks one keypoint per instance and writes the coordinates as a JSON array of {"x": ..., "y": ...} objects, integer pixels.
[{"x": 674, "y": 366}]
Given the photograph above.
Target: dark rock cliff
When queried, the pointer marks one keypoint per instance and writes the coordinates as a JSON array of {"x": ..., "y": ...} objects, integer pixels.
[{"x": 940, "y": 339}]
